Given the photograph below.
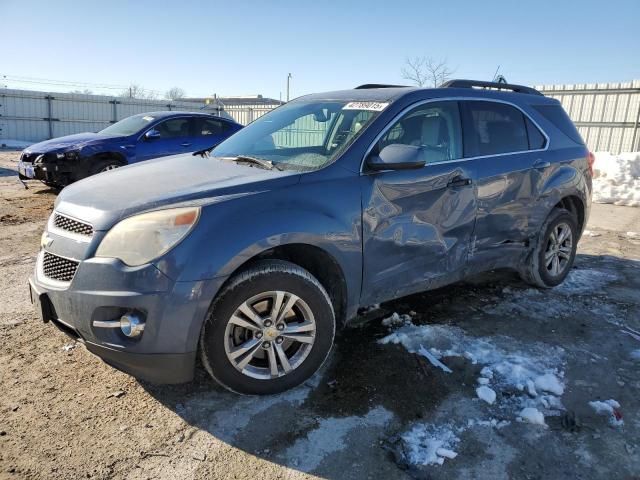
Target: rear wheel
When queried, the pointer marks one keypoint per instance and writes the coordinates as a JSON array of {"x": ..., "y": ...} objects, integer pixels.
[
  {"x": 552, "y": 258},
  {"x": 269, "y": 330}
]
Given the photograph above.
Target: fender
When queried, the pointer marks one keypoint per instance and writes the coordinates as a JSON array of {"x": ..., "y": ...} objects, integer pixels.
[
  {"x": 567, "y": 180},
  {"x": 232, "y": 232}
]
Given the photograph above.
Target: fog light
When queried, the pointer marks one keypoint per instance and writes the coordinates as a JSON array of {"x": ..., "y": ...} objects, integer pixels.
[{"x": 131, "y": 325}]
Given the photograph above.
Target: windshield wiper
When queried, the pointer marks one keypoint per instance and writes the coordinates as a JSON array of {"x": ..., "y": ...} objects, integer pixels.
[{"x": 261, "y": 162}]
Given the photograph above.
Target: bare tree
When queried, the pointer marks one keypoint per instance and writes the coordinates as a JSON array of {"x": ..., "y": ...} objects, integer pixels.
[
  {"x": 86, "y": 91},
  {"x": 425, "y": 71},
  {"x": 137, "y": 91},
  {"x": 175, "y": 93}
]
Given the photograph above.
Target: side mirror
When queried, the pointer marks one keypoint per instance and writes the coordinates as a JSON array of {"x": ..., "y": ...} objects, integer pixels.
[
  {"x": 397, "y": 157},
  {"x": 152, "y": 134}
]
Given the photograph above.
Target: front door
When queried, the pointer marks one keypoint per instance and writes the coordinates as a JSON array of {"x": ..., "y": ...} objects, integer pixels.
[
  {"x": 417, "y": 224},
  {"x": 175, "y": 136}
]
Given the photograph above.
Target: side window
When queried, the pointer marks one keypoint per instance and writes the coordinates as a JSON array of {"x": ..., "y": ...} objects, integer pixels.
[
  {"x": 492, "y": 128},
  {"x": 174, "y": 128},
  {"x": 536, "y": 139},
  {"x": 433, "y": 126},
  {"x": 207, "y": 126}
]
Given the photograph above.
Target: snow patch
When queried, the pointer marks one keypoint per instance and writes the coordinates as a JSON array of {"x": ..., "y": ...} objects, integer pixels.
[
  {"x": 616, "y": 178},
  {"x": 585, "y": 281},
  {"x": 589, "y": 233},
  {"x": 635, "y": 354},
  {"x": 633, "y": 235},
  {"x": 396, "y": 320},
  {"x": 610, "y": 408},
  {"x": 507, "y": 365},
  {"x": 330, "y": 436},
  {"x": 532, "y": 415},
  {"x": 487, "y": 394},
  {"x": 429, "y": 445}
]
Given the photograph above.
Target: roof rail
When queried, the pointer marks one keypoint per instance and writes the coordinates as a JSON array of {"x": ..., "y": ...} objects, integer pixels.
[
  {"x": 494, "y": 85},
  {"x": 379, "y": 85}
]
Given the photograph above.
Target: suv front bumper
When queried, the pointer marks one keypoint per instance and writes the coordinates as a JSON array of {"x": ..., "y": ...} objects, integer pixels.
[{"x": 102, "y": 290}]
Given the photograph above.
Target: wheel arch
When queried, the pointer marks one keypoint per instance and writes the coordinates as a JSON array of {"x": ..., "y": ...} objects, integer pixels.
[{"x": 317, "y": 261}]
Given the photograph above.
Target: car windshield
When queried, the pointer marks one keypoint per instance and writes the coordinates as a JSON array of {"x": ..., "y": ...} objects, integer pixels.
[
  {"x": 301, "y": 135},
  {"x": 128, "y": 126}
]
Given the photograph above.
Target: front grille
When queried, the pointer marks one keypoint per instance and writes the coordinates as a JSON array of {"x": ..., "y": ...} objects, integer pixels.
[
  {"x": 58, "y": 268},
  {"x": 71, "y": 225}
]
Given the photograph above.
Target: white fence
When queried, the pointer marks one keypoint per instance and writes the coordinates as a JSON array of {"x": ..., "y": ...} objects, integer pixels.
[
  {"x": 606, "y": 114},
  {"x": 32, "y": 116}
]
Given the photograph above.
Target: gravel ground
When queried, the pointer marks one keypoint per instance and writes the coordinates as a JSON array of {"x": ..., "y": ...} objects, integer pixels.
[{"x": 65, "y": 414}]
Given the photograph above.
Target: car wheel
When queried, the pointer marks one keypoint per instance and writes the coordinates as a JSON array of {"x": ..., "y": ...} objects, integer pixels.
[
  {"x": 269, "y": 330},
  {"x": 105, "y": 166},
  {"x": 552, "y": 258}
]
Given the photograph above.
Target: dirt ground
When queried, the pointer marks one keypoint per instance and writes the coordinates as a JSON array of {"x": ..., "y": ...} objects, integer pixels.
[{"x": 65, "y": 414}]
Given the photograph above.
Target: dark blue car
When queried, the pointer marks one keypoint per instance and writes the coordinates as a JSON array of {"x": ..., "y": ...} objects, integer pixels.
[
  {"x": 252, "y": 256},
  {"x": 61, "y": 161}
]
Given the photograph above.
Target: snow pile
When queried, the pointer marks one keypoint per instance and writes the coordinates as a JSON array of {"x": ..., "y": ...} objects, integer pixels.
[
  {"x": 530, "y": 373},
  {"x": 485, "y": 393},
  {"x": 617, "y": 179},
  {"x": 610, "y": 408},
  {"x": 532, "y": 415},
  {"x": 396, "y": 320},
  {"x": 427, "y": 444}
]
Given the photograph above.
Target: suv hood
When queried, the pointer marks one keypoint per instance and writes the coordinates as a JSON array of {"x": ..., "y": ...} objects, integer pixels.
[
  {"x": 108, "y": 197},
  {"x": 78, "y": 140}
]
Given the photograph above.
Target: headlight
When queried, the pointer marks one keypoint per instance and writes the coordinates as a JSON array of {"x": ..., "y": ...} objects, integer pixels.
[
  {"x": 71, "y": 155},
  {"x": 142, "y": 238}
]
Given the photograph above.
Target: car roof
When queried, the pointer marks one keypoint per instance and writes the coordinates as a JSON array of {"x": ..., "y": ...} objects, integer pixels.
[
  {"x": 180, "y": 113},
  {"x": 392, "y": 93}
]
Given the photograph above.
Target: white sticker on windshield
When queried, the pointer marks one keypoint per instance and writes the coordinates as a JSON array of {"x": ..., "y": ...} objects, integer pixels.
[
  {"x": 147, "y": 118},
  {"x": 372, "y": 106}
]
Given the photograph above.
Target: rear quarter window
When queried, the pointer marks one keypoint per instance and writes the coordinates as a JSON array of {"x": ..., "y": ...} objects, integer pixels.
[{"x": 556, "y": 115}]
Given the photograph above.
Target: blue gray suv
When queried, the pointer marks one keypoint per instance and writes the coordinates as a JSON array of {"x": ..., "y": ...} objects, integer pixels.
[
  {"x": 63, "y": 160},
  {"x": 253, "y": 254}
]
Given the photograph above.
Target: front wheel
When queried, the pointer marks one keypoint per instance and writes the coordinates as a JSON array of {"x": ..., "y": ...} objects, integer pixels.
[
  {"x": 269, "y": 330},
  {"x": 552, "y": 258}
]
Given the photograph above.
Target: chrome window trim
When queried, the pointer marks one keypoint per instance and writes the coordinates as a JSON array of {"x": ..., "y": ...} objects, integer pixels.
[
  {"x": 65, "y": 233},
  {"x": 457, "y": 160}
]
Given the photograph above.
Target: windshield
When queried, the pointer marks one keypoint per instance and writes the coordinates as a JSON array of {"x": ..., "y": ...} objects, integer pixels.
[
  {"x": 128, "y": 126},
  {"x": 301, "y": 135}
]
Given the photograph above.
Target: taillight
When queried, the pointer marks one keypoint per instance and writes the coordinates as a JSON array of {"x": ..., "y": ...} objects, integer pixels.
[{"x": 591, "y": 159}]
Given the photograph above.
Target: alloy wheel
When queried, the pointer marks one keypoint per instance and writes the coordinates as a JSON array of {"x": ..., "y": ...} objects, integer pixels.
[
  {"x": 270, "y": 335},
  {"x": 557, "y": 255}
]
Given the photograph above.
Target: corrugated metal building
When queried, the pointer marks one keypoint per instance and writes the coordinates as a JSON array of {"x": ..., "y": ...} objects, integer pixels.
[{"x": 606, "y": 114}]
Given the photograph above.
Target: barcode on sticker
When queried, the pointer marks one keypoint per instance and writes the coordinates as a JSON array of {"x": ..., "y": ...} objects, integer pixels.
[{"x": 372, "y": 106}]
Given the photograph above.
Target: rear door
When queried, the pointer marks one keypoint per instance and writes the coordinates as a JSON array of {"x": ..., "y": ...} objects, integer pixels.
[
  {"x": 176, "y": 136},
  {"x": 210, "y": 131},
  {"x": 506, "y": 152},
  {"x": 417, "y": 224}
]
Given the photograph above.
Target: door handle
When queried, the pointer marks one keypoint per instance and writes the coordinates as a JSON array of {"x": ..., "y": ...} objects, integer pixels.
[
  {"x": 185, "y": 144},
  {"x": 459, "y": 181},
  {"x": 541, "y": 164}
]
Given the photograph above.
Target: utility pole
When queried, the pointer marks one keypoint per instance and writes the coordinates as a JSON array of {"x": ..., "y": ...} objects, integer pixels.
[{"x": 288, "y": 85}]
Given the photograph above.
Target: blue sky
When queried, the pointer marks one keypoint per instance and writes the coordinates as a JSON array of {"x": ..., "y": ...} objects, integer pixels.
[{"x": 248, "y": 47}]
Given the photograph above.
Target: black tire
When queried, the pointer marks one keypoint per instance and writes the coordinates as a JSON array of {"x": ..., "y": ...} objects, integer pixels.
[
  {"x": 535, "y": 270},
  {"x": 264, "y": 277},
  {"x": 104, "y": 165}
]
